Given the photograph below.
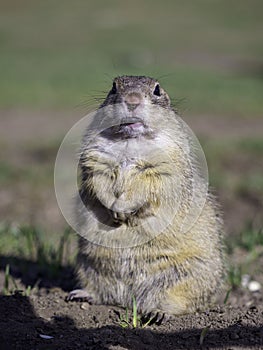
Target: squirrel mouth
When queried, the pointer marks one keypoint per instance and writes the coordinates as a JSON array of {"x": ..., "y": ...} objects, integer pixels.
[
  {"x": 127, "y": 129},
  {"x": 132, "y": 128},
  {"x": 132, "y": 125}
]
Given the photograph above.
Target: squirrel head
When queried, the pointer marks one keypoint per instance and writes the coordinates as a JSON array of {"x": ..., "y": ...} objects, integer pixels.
[{"x": 134, "y": 99}]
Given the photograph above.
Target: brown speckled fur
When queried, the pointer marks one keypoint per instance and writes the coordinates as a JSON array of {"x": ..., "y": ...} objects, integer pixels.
[{"x": 175, "y": 272}]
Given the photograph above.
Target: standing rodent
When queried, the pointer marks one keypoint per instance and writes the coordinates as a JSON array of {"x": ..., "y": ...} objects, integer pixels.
[{"x": 137, "y": 188}]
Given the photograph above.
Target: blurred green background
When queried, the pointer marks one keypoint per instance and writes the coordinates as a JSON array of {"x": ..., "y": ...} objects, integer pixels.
[
  {"x": 57, "y": 60},
  {"x": 54, "y": 53}
]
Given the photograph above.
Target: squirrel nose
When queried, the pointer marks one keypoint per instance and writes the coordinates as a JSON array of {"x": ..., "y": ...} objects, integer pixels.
[{"x": 132, "y": 100}]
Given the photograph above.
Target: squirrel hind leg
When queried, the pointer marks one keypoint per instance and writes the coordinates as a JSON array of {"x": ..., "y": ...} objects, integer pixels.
[{"x": 184, "y": 298}]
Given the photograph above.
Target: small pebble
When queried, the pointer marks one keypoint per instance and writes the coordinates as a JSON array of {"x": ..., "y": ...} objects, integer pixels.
[
  {"x": 84, "y": 306},
  {"x": 44, "y": 336},
  {"x": 254, "y": 286}
]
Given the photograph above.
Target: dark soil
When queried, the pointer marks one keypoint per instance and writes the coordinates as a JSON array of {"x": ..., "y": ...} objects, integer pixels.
[{"x": 46, "y": 321}]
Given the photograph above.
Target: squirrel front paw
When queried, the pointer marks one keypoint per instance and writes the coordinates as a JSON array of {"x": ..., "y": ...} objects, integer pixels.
[{"x": 79, "y": 295}]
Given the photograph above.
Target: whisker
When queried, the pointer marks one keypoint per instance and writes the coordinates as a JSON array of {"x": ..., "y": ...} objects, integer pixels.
[{"x": 179, "y": 104}]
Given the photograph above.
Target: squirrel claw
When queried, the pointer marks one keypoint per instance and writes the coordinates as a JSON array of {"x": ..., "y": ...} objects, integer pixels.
[
  {"x": 154, "y": 317},
  {"x": 79, "y": 294}
]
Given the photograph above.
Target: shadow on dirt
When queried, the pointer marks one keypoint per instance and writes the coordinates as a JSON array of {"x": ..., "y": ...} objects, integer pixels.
[{"x": 40, "y": 275}]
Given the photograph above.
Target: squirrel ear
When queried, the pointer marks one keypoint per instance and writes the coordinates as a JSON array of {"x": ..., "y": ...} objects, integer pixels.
[
  {"x": 114, "y": 88},
  {"x": 156, "y": 90}
]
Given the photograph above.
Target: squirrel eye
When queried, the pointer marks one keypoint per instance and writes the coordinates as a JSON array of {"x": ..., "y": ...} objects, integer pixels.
[
  {"x": 156, "y": 90},
  {"x": 114, "y": 88}
]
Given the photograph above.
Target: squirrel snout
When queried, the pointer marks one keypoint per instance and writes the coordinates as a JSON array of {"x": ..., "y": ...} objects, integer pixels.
[{"x": 132, "y": 100}]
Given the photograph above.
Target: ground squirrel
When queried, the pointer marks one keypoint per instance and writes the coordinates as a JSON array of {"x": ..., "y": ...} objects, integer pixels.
[{"x": 137, "y": 187}]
